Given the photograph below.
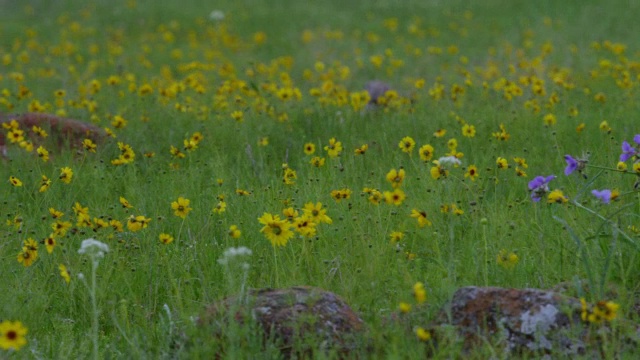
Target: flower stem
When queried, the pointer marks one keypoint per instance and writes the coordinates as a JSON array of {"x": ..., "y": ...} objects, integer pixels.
[{"x": 94, "y": 307}]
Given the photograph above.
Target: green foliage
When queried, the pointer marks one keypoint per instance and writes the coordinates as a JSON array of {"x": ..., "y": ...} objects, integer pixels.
[{"x": 490, "y": 64}]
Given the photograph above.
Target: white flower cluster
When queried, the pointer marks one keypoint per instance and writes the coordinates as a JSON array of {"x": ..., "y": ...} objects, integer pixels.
[
  {"x": 216, "y": 15},
  {"x": 231, "y": 253},
  {"x": 93, "y": 247},
  {"x": 449, "y": 160}
]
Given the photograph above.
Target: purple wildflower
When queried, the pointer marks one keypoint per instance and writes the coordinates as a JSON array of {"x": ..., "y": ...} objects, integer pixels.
[
  {"x": 603, "y": 195},
  {"x": 636, "y": 139},
  {"x": 538, "y": 186},
  {"x": 628, "y": 151},
  {"x": 572, "y": 164}
]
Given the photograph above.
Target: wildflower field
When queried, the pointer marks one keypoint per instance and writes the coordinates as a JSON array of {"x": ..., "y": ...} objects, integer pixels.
[{"x": 505, "y": 153}]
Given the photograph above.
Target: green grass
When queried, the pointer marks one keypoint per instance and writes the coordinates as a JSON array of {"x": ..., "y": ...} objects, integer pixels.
[{"x": 353, "y": 256}]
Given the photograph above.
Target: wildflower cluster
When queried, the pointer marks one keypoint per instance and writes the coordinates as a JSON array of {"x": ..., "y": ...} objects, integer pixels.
[
  {"x": 600, "y": 312},
  {"x": 420, "y": 297},
  {"x": 280, "y": 231}
]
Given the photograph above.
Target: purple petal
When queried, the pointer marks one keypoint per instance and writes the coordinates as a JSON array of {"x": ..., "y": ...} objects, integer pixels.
[
  {"x": 627, "y": 151},
  {"x": 603, "y": 195},
  {"x": 536, "y": 182},
  {"x": 549, "y": 178},
  {"x": 636, "y": 139},
  {"x": 572, "y": 164}
]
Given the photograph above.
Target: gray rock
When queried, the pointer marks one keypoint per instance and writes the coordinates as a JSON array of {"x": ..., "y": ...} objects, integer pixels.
[
  {"x": 376, "y": 89},
  {"x": 528, "y": 320},
  {"x": 293, "y": 315}
]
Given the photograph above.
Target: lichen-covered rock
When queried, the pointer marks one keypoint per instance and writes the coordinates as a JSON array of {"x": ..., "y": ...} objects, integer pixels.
[
  {"x": 63, "y": 131},
  {"x": 292, "y": 314},
  {"x": 521, "y": 320}
]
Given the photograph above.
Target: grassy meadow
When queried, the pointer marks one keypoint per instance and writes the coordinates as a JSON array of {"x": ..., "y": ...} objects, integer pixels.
[{"x": 246, "y": 124}]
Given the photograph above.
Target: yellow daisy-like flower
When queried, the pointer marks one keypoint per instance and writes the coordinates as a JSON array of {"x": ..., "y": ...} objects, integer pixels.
[
  {"x": 316, "y": 213},
  {"x": 89, "y": 145},
  {"x": 468, "y": 131},
  {"x": 26, "y": 257},
  {"x": 396, "y": 236},
  {"x": 12, "y": 335},
  {"x": 362, "y": 149},
  {"x": 334, "y": 148},
  {"x": 521, "y": 162},
  {"x": 165, "y": 238},
  {"x": 422, "y": 334},
  {"x": 404, "y": 307},
  {"x": 421, "y": 217},
  {"x": 64, "y": 273},
  {"x": 375, "y": 196},
  {"x": 42, "y": 153},
  {"x": 278, "y": 231},
  {"x": 237, "y": 116},
  {"x": 15, "y": 136},
  {"x": 419, "y": 292},
  {"x": 304, "y": 226},
  {"x": 440, "y": 133},
  {"x": 66, "y": 174},
  {"x": 309, "y": 148},
  {"x": 395, "y": 197},
  {"x": 220, "y": 207},
  {"x": 15, "y": 181},
  {"x": 317, "y": 161},
  {"x": 502, "y": 163},
  {"x": 407, "y": 144},
  {"x": 438, "y": 171},
  {"x": 426, "y": 152},
  {"x": 234, "y": 232},
  {"x": 60, "y": 227},
  {"x": 39, "y": 131},
  {"x": 56, "y": 214},
  {"x": 556, "y": 196},
  {"x": 181, "y": 207},
  {"x": 472, "y": 172},
  {"x": 622, "y": 166},
  {"x": 507, "y": 260},
  {"x": 50, "y": 243},
  {"x": 339, "y": 195},
  {"x": 136, "y": 223},
  {"x": 45, "y": 183},
  {"x": 125, "y": 203},
  {"x": 395, "y": 177},
  {"x": 549, "y": 120}
]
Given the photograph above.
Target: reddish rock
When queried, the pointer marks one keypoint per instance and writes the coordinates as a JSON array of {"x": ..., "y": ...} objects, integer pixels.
[
  {"x": 63, "y": 131},
  {"x": 291, "y": 315}
]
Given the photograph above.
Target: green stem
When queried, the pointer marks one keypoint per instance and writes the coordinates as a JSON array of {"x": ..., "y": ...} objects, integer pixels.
[
  {"x": 486, "y": 255},
  {"x": 275, "y": 257},
  {"x": 94, "y": 307}
]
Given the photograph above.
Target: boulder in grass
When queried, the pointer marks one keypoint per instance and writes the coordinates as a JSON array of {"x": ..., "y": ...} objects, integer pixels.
[
  {"x": 63, "y": 131},
  {"x": 522, "y": 321},
  {"x": 291, "y": 316},
  {"x": 376, "y": 89}
]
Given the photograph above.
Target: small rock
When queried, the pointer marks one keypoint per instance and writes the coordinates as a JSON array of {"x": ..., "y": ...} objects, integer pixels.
[
  {"x": 527, "y": 320},
  {"x": 64, "y": 131},
  {"x": 293, "y": 314},
  {"x": 376, "y": 89}
]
